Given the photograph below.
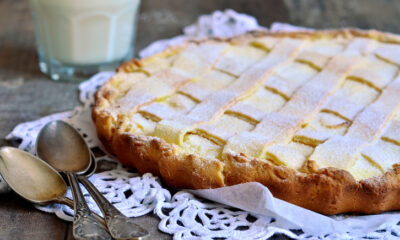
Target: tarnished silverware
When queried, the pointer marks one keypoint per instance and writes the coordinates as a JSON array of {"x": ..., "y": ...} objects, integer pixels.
[
  {"x": 120, "y": 226},
  {"x": 33, "y": 179},
  {"x": 63, "y": 148}
]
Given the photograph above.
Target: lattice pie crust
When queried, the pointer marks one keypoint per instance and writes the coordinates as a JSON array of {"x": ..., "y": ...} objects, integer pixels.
[{"x": 314, "y": 116}]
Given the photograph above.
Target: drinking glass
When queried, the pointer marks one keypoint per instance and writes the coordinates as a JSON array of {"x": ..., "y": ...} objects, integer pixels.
[{"x": 77, "y": 38}]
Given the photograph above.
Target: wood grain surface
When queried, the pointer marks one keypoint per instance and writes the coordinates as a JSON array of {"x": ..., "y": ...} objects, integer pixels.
[{"x": 26, "y": 94}]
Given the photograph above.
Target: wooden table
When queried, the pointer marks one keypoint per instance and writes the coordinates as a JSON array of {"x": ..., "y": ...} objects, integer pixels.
[{"x": 26, "y": 94}]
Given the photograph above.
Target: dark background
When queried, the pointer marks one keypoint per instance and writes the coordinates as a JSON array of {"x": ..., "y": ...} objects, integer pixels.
[{"x": 26, "y": 94}]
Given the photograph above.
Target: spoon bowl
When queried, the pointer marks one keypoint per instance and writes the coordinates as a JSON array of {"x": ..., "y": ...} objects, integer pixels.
[
  {"x": 88, "y": 173},
  {"x": 60, "y": 145},
  {"x": 92, "y": 167},
  {"x": 30, "y": 177}
]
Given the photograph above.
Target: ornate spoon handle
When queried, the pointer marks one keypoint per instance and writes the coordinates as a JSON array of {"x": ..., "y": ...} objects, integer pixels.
[
  {"x": 120, "y": 226},
  {"x": 70, "y": 203},
  {"x": 85, "y": 226}
]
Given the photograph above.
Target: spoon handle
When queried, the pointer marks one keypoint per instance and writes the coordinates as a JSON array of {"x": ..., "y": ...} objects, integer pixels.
[
  {"x": 70, "y": 203},
  {"x": 120, "y": 226},
  {"x": 85, "y": 226}
]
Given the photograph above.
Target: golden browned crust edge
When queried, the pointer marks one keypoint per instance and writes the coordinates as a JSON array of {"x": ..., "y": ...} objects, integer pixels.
[{"x": 328, "y": 190}]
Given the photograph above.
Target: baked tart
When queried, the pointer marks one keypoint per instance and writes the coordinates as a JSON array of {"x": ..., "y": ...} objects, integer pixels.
[{"x": 314, "y": 116}]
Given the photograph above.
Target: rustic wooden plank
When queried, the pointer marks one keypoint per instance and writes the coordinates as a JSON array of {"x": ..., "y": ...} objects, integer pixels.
[
  {"x": 164, "y": 19},
  {"x": 20, "y": 220}
]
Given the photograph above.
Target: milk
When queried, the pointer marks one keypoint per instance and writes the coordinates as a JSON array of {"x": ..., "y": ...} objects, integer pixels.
[{"x": 84, "y": 32}]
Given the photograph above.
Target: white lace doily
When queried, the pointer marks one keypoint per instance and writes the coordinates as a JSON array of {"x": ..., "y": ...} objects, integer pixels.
[{"x": 183, "y": 215}]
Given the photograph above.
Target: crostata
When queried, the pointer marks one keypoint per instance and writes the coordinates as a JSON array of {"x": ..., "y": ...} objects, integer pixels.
[{"x": 314, "y": 116}]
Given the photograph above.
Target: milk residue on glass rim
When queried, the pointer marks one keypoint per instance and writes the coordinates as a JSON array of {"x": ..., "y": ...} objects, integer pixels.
[{"x": 84, "y": 32}]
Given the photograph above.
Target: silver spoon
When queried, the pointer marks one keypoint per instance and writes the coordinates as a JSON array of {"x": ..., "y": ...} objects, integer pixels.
[
  {"x": 33, "y": 179},
  {"x": 120, "y": 226},
  {"x": 92, "y": 168},
  {"x": 67, "y": 152},
  {"x": 89, "y": 172}
]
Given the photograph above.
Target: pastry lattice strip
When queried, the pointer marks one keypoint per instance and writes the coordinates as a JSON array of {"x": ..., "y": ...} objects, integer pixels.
[
  {"x": 367, "y": 127},
  {"x": 280, "y": 126},
  {"x": 173, "y": 130},
  {"x": 303, "y": 100}
]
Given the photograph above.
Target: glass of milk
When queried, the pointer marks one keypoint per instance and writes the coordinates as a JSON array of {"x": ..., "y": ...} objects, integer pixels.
[{"x": 77, "y": 38}]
